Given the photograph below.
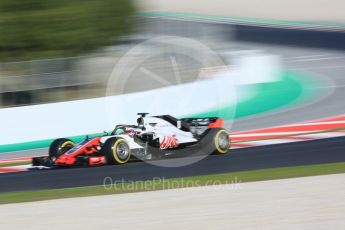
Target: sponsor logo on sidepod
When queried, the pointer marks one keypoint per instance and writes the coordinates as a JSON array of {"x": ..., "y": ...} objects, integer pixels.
[{"x": 169, "y": 142}]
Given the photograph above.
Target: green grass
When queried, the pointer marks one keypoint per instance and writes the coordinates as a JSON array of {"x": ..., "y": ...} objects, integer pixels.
[{"x": 159, "y": 184}]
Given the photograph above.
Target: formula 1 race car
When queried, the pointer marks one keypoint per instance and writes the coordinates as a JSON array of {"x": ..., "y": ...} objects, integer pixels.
[{"x": 153, "y": 137}]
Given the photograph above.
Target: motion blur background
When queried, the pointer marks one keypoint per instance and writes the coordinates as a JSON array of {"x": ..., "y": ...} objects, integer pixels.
[{"x": 65, "y": 50}]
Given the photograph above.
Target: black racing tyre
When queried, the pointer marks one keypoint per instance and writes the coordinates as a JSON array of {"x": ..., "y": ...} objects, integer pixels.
[
  {"x": 60, "y": 146},
  {"x": 116, "y": 151},
  {"x": 216, "y": 141}
]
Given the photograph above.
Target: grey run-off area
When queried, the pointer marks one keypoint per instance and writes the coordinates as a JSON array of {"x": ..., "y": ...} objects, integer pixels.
[{"x": 300, "y": 203}]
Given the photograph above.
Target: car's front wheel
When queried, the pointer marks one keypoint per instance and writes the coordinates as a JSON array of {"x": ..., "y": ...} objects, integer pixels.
[{"x": 59, "y": 147}]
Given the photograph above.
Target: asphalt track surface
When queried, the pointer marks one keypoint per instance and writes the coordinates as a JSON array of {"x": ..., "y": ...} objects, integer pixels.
[{"x": 300, "y": 153}]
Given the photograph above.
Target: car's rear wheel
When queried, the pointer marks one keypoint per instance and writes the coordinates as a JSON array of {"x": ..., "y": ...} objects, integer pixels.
[
  {"x": 59, "y": 147},
  {"x": 215, "y": 141},
  {"x": 222, "y": 142},
  {"x": 116, "y": 151}
]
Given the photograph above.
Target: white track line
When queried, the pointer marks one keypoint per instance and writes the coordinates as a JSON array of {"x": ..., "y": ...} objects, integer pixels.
[
  {"x": 270, "y": 134},
  {"x": 316, "y": 123},
  {"x": 325, "y": 135}
]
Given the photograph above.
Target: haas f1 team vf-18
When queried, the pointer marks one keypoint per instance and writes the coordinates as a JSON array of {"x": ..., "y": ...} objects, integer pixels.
[{"x": 153, "y": 137}]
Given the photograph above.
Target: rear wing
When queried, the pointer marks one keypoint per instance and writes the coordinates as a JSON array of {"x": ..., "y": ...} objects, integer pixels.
[{"x": 211, "y": 122}]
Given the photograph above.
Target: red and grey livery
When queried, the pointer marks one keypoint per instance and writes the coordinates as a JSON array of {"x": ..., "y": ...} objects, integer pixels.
[{"x": 153, "y": 137}]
